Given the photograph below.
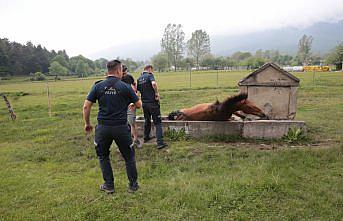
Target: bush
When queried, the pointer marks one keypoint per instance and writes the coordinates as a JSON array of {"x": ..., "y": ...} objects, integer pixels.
[
  {"x": 21, "y": 94},
  {"x": 176, "y": 135},
  {"x": 295, "y": 135},
  {"x": 38, "y": 76}
]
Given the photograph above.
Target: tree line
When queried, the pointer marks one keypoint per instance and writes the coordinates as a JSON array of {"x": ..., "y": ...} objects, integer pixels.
[
  {"x": 18, "y": 59},
  {"x": 176, "y": 53},
  {"x": 24, "y": 59}
]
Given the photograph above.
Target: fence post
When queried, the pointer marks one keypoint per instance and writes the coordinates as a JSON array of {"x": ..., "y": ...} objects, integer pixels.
[
  {"x": 9, "y": 107},
  {"x": 190, "y": 77},
  {"x": 217, "y": 79},
  {"x": 48, "y": 95},
  {"x": 313, "y": 76}
]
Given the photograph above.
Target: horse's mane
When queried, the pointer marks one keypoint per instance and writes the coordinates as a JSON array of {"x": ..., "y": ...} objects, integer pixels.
[
  {"x": 230, "y": 103},
  {"x": 224, "y": 110}
]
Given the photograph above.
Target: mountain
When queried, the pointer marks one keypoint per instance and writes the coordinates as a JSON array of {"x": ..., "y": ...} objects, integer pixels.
[
  {"x": 137, "y": 51},
  {"x": 326, "y": 36}
]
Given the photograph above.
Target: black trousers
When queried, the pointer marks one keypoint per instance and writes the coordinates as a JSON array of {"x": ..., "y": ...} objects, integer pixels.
[
  {"x": 104, "y": 136},
  {"x": 153, "y": 110}
]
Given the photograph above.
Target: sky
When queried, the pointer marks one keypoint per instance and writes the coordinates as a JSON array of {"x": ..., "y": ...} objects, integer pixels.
[{"x": 85, "y": 27}]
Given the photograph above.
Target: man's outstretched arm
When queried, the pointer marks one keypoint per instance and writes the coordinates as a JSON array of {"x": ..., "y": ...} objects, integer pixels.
[
  {"x": 154, "y": 86},
  {"x": 87, "y": 106}
]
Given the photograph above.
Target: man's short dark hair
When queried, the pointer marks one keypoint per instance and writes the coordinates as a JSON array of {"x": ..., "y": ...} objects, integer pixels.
[
  {"x": 148, "y": 66},
  {"x": 113, "y": 65},
  {"x": 125, "y": 69}
]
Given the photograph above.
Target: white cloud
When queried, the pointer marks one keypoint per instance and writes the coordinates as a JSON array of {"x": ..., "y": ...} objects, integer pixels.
[{"x": 83, "y": 27}]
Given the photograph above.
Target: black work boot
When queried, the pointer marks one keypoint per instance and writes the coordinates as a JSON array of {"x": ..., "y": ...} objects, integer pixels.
[
  {"x": 106, "y": 189},
  {"x": 161, "y": 146},
  {"x": 133, "y": 188}
]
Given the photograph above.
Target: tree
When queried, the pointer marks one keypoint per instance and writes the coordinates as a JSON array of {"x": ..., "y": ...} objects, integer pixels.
[
  {"x": 74, "y": 65},
  {"x": 42, "y": 57},
  {"x": 61, "y": 60},
  {"x": 240, "y": 56},
  {"x": 336, "y": 56},
  {"x": 285, "y": 59},
  {"x": 259, "y": 53},
  {"x": 187, "y": 63},
  {"x": 253, "y": 62},
  {"x": 4, "y": 60},
  {"x": 304, "y": 49},
  {"x": 208, "y": 61},
  {"x": 82, "y": 69},
  {"x": 64, "y": 54},
  {"x": 101, "y": 63},
  {"x": 131, "y": 64},
  {"x": 173, "y": 44},
  {"x": 18, "y": 59},
  {"x": 220, "y": 62},
  {"x": 199, "y": 45},
  {"x": 160, "y": 61},
  {"x": 57, "y": 69}
]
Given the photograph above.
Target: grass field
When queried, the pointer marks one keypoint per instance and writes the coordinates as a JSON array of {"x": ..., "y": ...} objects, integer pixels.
[{"x": 49, "y": 171}]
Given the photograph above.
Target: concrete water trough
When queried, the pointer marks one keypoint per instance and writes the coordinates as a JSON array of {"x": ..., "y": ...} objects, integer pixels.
[
  {"x": 272, "y": 89},
  {"x": 267, "y": 129}
]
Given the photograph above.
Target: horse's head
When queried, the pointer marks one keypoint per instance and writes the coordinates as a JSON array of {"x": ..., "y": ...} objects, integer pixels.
[
  {"x": 231, "y": 104},
  {"x": 175, "y": 115},
  {"x": 249, "y": 108}
]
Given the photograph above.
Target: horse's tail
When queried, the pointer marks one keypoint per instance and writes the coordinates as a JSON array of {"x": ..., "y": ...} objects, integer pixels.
[
  {"x": 174, "y": 115},
  {"x": 229, "y": 104}
]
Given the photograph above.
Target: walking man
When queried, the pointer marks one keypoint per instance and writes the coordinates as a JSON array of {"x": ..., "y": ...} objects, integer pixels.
[
  {"x": 131, "y": 113},
  {"x": 147, "y": 86},
  {"x": 114, "y": 97}
]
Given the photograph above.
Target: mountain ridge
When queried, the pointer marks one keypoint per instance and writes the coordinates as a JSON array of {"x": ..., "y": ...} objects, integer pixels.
[{"x": 326, "y": 35}]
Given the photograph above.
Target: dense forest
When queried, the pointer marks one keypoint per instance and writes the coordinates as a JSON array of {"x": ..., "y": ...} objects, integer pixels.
[{"x": 17, "y": 59}]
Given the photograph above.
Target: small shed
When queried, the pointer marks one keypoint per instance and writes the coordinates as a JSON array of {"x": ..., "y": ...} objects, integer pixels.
[{"x": 273, "y": 90}]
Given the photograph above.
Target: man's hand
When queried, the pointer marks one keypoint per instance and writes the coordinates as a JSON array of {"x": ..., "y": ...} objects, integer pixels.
[
  {"x": 157, "y": 97},
  {"x": 88, "y": 128},
  {"x": 132, "y": 107}
]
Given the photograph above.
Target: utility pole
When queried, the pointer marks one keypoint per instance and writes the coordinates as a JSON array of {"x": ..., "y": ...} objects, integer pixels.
[{"x": 217, "y": 78}]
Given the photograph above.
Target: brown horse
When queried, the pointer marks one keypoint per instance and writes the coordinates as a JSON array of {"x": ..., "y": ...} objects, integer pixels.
[{"x": 218, "y": 111}]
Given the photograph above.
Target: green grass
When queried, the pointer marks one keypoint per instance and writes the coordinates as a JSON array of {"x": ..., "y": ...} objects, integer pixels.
[{"x": 49, "y": 170}]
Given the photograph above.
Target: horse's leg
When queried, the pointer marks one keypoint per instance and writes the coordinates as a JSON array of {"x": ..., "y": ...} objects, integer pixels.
[
  {"x": 239, "y": 115},
  {"x": 180, "y": 117}
]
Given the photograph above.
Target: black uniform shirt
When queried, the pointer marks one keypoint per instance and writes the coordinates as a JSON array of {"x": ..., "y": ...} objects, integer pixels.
[
  {"x": 144, "y": 86},
  {"x": 128, "y": 79},
  {"x": 113, "y": 96}
]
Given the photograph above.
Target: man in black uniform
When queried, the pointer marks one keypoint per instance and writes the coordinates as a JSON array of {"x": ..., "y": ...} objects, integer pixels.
[
  {"x": 147, "y": 86},
  {"x": 114, "y": 97},
  {"x": 131, "y": 113}
]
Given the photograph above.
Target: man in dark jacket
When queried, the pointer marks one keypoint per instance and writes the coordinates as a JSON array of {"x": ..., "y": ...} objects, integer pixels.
[
  {"x": 147, "y": 86},
  {"x": 114, "y": 97}
]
